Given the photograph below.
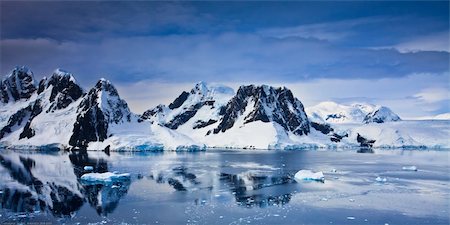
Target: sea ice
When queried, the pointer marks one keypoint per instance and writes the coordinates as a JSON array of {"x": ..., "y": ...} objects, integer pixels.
[
  {"x": 309, "y": 175},
  {"x": 88, "y": 168},
  {"x": 409, "y": 168},
  {"x": 379, "y": 179},
  {"x": 104, "y": 178}
]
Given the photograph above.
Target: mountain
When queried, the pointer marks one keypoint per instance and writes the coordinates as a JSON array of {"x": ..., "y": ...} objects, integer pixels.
[
  {"x": 218, "y": 116},
  {"x": 199, "y": 107},
  {"x": 57, "y": 113},
  {"x": 331, "y": 112},
  {"x": 18, "y": 85},
  {"x": 442, "y": 116}
]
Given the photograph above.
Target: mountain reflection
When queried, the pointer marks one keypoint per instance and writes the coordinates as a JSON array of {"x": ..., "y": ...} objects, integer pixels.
[
  {"x": 245, "y": 188},
  {"x": 248, "y": 189},
  {"x": 51, "y": 183}
]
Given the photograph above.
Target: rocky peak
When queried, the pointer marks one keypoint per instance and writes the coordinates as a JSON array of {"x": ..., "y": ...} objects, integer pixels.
[
  {"x": 17, "y": 85},
  {"x": 100, "y": 107},
  {"x": 268, "y": 104},
  {"x": 64, "y": 89}
]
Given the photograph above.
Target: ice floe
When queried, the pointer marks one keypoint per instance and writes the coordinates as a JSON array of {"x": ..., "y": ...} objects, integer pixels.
[{"x": 309, "y": 175}]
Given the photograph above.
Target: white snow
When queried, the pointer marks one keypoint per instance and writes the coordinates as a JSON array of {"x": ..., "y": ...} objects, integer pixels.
[
  {"x": 309, "y": 175},
  {"x": 333, "y": 112}
]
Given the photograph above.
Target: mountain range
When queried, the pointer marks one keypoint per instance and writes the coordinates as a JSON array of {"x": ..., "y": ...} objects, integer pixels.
[{"x": 58, "y": 113}]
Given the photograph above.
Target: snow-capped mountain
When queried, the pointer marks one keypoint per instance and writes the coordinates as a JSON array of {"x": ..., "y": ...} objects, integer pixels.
[
  {"x": 216, "y": 116},
  {"x": 331, "y": 112},
  {"x": 18, "y": 85},
  {"x": 200, "y": 107},
  {"x": 58, "y": 113}
]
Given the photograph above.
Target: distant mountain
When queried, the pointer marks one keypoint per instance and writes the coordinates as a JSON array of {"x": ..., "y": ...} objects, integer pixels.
[
  {"x": 331, "y": 112},
  {"x": 57, "y": 113},
  {"x": 443, "y": 116}
]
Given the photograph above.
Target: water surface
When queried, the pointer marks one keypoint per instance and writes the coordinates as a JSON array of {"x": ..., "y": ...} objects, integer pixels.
[{"x": 227, "y": 187}]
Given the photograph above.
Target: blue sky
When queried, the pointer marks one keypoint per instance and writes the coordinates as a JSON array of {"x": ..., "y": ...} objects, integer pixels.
[{"x": 391, "y": 53}]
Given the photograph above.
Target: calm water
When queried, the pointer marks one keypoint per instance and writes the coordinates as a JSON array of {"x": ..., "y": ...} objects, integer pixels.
[{"x": 227, "y": 187}]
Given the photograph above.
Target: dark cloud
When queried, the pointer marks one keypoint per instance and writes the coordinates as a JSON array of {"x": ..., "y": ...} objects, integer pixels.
[{"x": 232, "y": 56}]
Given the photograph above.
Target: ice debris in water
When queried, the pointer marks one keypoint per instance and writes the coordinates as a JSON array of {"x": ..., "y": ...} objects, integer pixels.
[
  {"x": 88, "y": 168},
  {"x": 409, "y": 168},
  {"x": 350, "y": 217},
  {"x": 379, "y": 179},
  {"x": 333, "y": 170},
  {"x": 104, "y": 178},
  {"x": 309, "y": 175}
]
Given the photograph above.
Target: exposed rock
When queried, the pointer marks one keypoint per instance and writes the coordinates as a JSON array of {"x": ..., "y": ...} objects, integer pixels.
[
  {"x": 269, "y": 104},
  {"x": 19, "y": 84},
  {"x": 380, "y": 115},
  {"x": 179, "y": 100},
  {"x": 364, "y": 142}
]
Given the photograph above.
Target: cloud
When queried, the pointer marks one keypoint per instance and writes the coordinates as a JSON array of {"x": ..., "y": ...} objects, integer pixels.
[
  {"x": 432, "y": 95},
  {"x": 330, "y": 31},
  {"x": 217, "y": 57},
  {"x": 432, "y": 42}
]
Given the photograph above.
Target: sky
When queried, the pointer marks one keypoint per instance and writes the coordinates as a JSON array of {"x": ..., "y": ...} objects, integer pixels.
[{"x": 388, "y": 53}]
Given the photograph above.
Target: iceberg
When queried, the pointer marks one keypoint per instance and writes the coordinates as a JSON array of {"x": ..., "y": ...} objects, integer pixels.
[
  {"x": 104, "y": 178},
  {"x": 88, "y": 168},
  {"x": 381, "y": 180},
  {"x": 309, "y": 175},
  {"x": 409, "y": 168}
]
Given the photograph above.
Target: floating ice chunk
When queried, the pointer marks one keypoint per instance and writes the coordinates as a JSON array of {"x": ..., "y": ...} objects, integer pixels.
[
  {"x": 309, "y": 175},
  {"x": 88, "y": 168},
  {"x": 104, "y": 178},
  {"x": 382, "y": 180},
  {"x": 333, "y": 170},
  {"x": 409, "y": 168},
  {"x": 350, "y": 217}
]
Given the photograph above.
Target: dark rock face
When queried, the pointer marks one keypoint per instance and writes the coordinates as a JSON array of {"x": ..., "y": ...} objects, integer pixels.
[
  {"x": 335, "y": 116},
  {"x": 151, "y": 112},
  {"x": 64, "y": 90},
  {"x": 182, "y": 118},
  {"x": 270, "y": 104},
  {"x": 327, "y": 129},
  {"x": 201, "y": 124},
  {"x": 91, "y": 124},
  {"x": 179, "y": 100},
  {"x": 18, "y": 85},
  {"x": 364, "y": 142},
  {"x": 323, "y": 128},
  {"x": 115, "y": 109},
  {"x": 36, "y": 109},
  {"x": 16, "y": 120},
  {"x": 94, "y": 118}
]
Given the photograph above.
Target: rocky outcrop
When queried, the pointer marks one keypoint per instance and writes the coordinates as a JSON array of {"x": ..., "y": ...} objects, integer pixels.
[
  {"x": 268, "y": 104},
  {"x": 99, "y": 108},
  {"x": 64, "y": 89},
  {"x": 19, "y": 84}
]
